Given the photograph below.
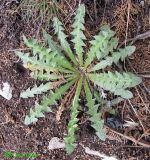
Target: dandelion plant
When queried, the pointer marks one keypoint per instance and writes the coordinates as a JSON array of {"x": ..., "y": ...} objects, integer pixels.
[{"x": 62, "y": 67}]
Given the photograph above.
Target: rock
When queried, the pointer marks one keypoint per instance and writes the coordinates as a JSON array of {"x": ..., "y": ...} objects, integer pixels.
[
  {"x": 6, "y": 91},
  {"x": 55, "y": 143}
]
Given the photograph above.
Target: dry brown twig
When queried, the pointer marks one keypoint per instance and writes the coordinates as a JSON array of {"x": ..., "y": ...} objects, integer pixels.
[
  {"x": 140, "y": 142},
  {"x": 141, "y": 36},
  {"x": 128, "y": 18},
  {"x": 95, "y": 9},
  {"x": 65, "y": 102}
]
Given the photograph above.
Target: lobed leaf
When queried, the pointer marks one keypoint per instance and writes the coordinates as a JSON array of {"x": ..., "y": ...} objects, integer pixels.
[
  {"x": 116, "y": 56},
  {"x": 116, "y": 82},
  {"x": 78, "y": 27},
  {"x": 36, "y": 90},
  {"x": 100, "y": 45},
  {"x": 52, "y": 58},
  {"x": 37, "y": 48},
  {"x": 97, "y": 122},
  {"x": 38, "y": 111},
  {"x": 34, "y": 63},
  {"x": 61, "y": 59},
  {"x": 52, "y": 64},
  {"x": 59, "y": 30},
  {"x": 72, "y": 126},
  {"x": 52, "y": 45},
  {"x": 40, "y": 75},
  {"x": 49, "y": 63}
]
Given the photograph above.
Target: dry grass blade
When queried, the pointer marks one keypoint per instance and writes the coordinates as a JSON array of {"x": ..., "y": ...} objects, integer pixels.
[
  {"x": 65, "y": 102},
  {"x": 136, "y": 115},
  {"x": 128, "y": 19},
  {"x": 143, "y": 92},
  {"x": 38, "y": 13},
  {"x": 59, "y": 82},
  {"x": 125, "y": 21}
]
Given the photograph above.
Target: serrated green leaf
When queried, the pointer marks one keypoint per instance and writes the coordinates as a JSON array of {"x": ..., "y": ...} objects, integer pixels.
[
  {"x": 97, "y": 122},
  {"x": 99, "y": 44},
  {"x": 61, "y": 59},
  {"x": 36, "y": 90},
  {"x": 59, "y": 30},
  {"x": 37, "y": 48},
  {"x": 72, "y": 126},
  {"x": 46, "y": 102},
  {"x": 124, "y": 93},
  {"x": 116, "y": 56},
  {"x": 35, "y": 63},
  {"x": 115, "y": 81},
  {"x": 70, "y": 148},
  {"x": 52, "y": 45},
  {"x": 52, "y": 58},
  {"x": 28, "y": 120},
  {"x": 40, "y": 75},
  {"x": 77, "y": 32},
  {"x": 56, "y": 63}
]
